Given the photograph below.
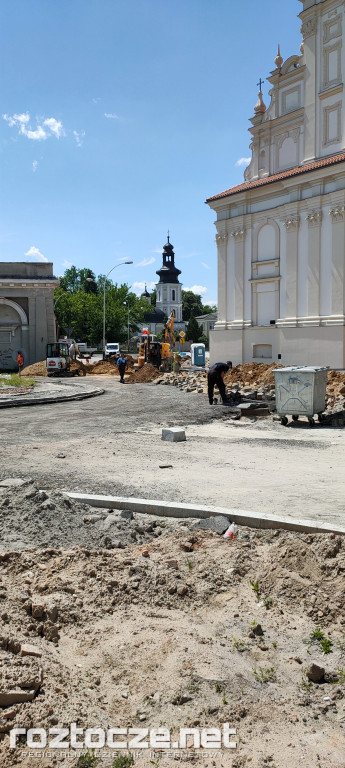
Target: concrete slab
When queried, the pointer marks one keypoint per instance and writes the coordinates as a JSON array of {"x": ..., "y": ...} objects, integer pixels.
[
  {"x": 173, "y": 434},
  {"x": 12, "y": 482},
  {"x": 239, "y": 516}
]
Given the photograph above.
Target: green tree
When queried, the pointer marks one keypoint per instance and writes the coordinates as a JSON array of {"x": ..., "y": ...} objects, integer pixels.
[
  {"x": 194, "y": 331},
  {"x": 208, "y": 308},
  {"x": 79, "y": 310},
  {"x": 75, "y": 280},
  {"x": 191, "y": 305}
]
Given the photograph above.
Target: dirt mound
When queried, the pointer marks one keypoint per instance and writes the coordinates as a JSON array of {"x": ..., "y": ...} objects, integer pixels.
[
  {"x": 107, "y": 367},
  {"x": 261, "y": 374},
  {"x": 30, "y": 518},
  {"x": 36, "y": 369},
  {"x": 252, "y": 374},
  {"x": 147, "y": 373},
  {"x": 190, "y": 630},
  {"x": 335, "y": 383}
]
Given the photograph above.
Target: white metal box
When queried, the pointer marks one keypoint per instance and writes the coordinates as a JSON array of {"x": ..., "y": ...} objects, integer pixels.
[{"x": 300, "y": 390}]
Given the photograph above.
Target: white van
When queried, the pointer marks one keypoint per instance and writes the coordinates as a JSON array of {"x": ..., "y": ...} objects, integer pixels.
[{"x": 111, "y": 350}]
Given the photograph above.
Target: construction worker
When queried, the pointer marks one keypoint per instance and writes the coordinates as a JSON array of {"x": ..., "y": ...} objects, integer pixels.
[
  {"x": 216, "y": 377},
  {"x": 20, "y": 363},
  {"x": 122, "y": 363},
  {"x": 72, "y": 351}
]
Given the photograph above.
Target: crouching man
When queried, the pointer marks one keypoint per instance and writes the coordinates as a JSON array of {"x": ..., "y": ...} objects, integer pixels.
[{"x": 215, "y": 376}]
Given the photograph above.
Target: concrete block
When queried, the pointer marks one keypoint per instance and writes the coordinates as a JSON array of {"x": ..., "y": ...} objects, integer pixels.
[
  {"x": 173, "y": 434},
  {"x": 12, "y": 482},
  {"x": 30, "y": 650},
  {"x": 219, "y": 524}
]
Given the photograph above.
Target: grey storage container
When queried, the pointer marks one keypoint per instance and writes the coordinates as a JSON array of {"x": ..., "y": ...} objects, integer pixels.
[{"x": 300, "y": 391}]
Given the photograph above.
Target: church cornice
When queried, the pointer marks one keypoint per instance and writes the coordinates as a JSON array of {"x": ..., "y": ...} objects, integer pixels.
[
  {"x": 286, "y": 120},
  {"x": 290, "y": 174}
]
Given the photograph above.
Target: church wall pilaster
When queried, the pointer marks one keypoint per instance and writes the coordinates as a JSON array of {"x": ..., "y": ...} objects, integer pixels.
[
  {"x": 222, "y": 242},
  {"x": 337, "y": 214},
  {"x": 291, "y": 224},
  {"x": 314, "y": 220},
  {"x": 239, "y": 234}
]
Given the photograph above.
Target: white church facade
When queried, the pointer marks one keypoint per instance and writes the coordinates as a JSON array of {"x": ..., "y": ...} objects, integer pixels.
[{"x": 281, "y": 234}]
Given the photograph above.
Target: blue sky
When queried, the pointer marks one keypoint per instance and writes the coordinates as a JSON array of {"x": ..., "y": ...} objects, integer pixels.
[{"x": 119, "y": 118}]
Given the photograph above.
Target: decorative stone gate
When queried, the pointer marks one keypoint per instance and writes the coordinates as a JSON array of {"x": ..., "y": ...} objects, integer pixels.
[{"x": 26, "y": 311}]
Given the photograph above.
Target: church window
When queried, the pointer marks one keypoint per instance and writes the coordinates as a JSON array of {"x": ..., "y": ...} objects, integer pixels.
[
  {"x": 262, "y": 351},
  {"x": 173, "y": 294}
]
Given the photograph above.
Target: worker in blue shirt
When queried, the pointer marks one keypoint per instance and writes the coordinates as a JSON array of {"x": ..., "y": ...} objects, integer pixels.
[{"x": 122, "y": 363}]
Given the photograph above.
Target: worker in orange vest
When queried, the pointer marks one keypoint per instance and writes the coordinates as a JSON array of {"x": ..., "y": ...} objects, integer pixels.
[{"x": 20, "y": 363}]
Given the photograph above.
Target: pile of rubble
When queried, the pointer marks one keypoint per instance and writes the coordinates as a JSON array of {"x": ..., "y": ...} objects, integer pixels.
[{"x": 186, "y": 381}]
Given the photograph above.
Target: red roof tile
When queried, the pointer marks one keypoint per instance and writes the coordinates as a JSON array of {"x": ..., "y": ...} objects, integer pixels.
[{"x": 278, "y": 176}]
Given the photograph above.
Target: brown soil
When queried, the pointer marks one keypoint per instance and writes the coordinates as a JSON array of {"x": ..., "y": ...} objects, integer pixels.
[
  {"x": 252, "y": 374},
  {"x": 186, "y": 630},
  {"x": 36, "y": 369},
  {"x": 259, "y": 374},
  {"x": 147, "y": 373}
]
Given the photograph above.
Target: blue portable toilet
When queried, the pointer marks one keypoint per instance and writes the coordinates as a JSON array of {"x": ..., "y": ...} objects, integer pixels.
[{"x": 198, "y": 354}]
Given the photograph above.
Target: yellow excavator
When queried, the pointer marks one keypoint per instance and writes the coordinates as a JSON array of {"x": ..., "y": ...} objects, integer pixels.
[{"x": 159, "y": 353}]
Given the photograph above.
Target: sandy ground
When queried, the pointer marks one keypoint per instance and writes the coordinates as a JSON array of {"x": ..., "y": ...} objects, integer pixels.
[
  {"x": 184, "y": 631},
  {"x": 164, "y": 633}
]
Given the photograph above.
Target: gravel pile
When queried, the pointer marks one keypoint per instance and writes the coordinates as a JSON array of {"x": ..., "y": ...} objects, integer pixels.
[{"x": 32, "y": 518}]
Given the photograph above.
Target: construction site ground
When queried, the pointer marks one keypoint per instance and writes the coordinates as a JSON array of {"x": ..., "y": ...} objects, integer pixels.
[{"x": 148, "y": 622}]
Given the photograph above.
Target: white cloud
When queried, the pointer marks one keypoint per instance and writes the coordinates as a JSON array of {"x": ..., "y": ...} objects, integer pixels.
[
  {"x": 243, "y": 161},
  {"x": 79, "y": 137},
  {"x": 203, "y": 264},
  {"x": 20, "y": 120},
  {"x": 111, "y": 116},
  {"x": 34, "y": 253},
  {"x": 35, "y": 166},
  {"x": 66, "y": 264},
  {"x": 96, "y": 100},
  {"x": 39, "y": 133},
  {"x": 55, "y": 126},
  {"x": 201, "y": 290},
  {"x": 139, "y": 287},
  {"x": 146, "y": 262}
]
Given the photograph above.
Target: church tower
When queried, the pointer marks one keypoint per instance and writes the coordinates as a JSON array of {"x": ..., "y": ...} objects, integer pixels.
[{"x": 169, "y": 289}]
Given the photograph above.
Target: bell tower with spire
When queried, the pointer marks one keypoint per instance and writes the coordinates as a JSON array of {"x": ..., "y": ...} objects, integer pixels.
[{"x": 169, "y": 289}]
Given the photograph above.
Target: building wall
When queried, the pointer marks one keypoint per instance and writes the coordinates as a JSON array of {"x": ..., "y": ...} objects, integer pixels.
[
  {"x": 281, "y": 245},
  {"x": 27, "y": 319}
]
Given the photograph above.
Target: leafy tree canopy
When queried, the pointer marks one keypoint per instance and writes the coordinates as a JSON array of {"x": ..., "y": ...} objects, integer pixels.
[
  {"x": 208, "y": 308},
  {"x": 75, "y": 280},
  {"x": 79, "y": 308},
  {"x": 192, "y": 305}
]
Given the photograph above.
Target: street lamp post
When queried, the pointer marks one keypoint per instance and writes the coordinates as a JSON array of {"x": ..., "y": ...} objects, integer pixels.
[
  {"x": 126, "y": 303},
  {"x": 105, "y": 280}
]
